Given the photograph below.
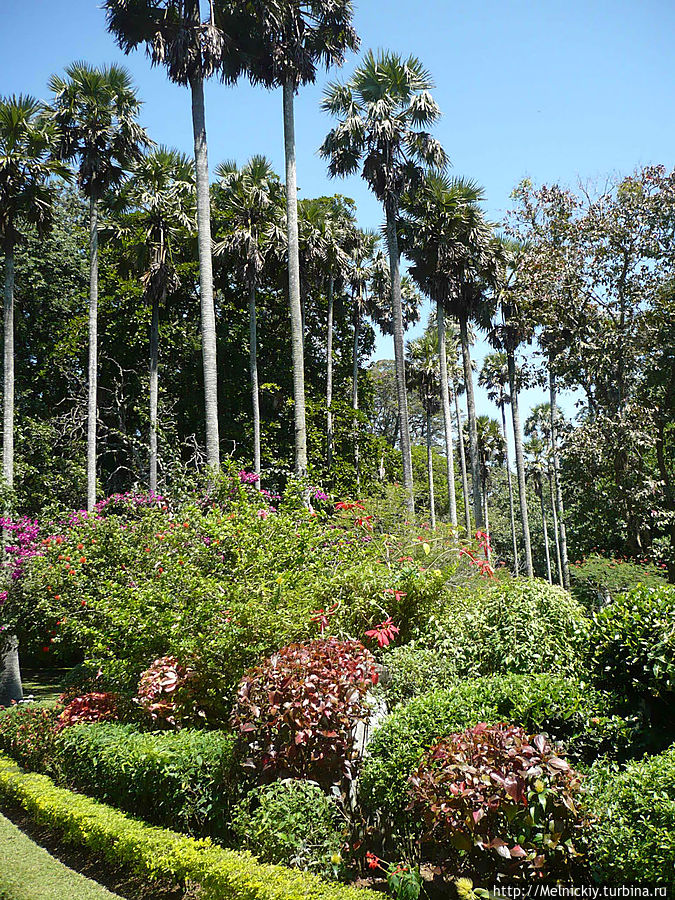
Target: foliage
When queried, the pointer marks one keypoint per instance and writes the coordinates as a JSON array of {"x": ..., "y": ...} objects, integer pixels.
[
  {"x": 499, "y": 799},
  {"x": 598, "y": 579},
  {"x": 160, "y": 854},
  {"x": 28, "y": 734},
  {"x": 97, "y": 706},
  {"x": 166, "y": 692},
  {"x": 291, "y": 822},
  {"x": 633, "y": 838},
  {"x": 296, "y": 712}
]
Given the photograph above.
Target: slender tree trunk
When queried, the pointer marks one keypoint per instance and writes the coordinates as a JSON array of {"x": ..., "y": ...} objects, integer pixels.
[
  {"x": 462, "y": 463},
  {"x": 556, "y": 480},
  {"x": 555, "y": 528},
  {"x": 8, "y": 390},
  {"x": 329, "y": 375},
  {"x": 487, "y": 522},
  {"x": 471, "y": 416},
  {"x": 545, "y": 529},
  {"x": 399, "y": 356},
  {"x": 355, "y": 389},
  {"x": 10, "y": 671},
  {"x": 208, "y": 312},
  {"x": 447, "y": 417},
  {"x": 92, "y": 380},
  {"x": 253, "y": 364},
  {"x": 430, "y": 474},
  {"x": 520, "y": 462},
  {"x": 154, "y": 387},
  {"x": 294, "y": 281},
  {"x": 512, "y": 514}
]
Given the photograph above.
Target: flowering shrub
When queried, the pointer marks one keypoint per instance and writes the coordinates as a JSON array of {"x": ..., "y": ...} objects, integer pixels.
[
  {"x": 496, "y": 798},
  {"x": 296, "y": 712},
  {"x": 166, "y": 692},
  {"x": 97, "y": 706},
  {"x": 598, "y": 579},
  {"x": 28, "y": 733}
]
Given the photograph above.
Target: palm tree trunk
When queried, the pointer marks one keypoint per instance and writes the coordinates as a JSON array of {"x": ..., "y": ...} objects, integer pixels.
[
  {"x": 487, "y": 522},
  {"x": 545, "y": 529},
  {"x": 92, "y": 380},
  {"x": 154, "y": 388},
  {"x": 399, "y": 357},
  {"x": 555, "y": 527},
  {"x": 294, "y": 281},
  {"x": 508, "y": 479},
  {"x": 10, "y": 671},
  {"x": 520, "y": 462},
  {"x": 8, "y": 389},
  {"x": 355, "y": 390},
  {"x": 471, "y": 416},
  {"x": 447, "y": 418},
  {"x": 430, "y": 474},
  {"x": 462, "y": 463},
  {"x": 556, "y": 479},
  {"x": 253, "y": 364},
  {"x": 329, "y": 375},
  {"x": 208, "y": 313}
]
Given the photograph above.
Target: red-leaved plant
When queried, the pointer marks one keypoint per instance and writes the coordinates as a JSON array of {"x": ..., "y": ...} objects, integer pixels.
[
  {"x": 165, "y": 692},
  {"x": 97, "y": 706},
  {"x": 296, "y": 713},
  {"x": 497, "y": 801}
]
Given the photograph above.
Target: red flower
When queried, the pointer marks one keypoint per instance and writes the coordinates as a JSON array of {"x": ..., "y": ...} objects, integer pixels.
[
  {"x": 321, "y": 616},
  {"x": 372, "y": 860},
  {"x": 384, "y": 633}
]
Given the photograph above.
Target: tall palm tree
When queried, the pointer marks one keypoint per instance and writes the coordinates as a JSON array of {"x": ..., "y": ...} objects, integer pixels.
[
  {"x": 250, "y": 200},
  {"x": 494, "y": 376},
  {"x": 160, "y": 199},
  {"x": 96, "y": 112},
  {"x": 490, "y": 453},
  {"x": 192, "y": 49},
  {"x": 384, "y": 111},
  {"x": 292, "y": 39},
  {"x": 27, "y": 167},
  {"x": 535, "y": 469},
  {"x": 424, "y": 373}
]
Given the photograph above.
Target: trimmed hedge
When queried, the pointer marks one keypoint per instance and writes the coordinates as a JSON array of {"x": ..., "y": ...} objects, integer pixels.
[{"x": 158, "y": 853}]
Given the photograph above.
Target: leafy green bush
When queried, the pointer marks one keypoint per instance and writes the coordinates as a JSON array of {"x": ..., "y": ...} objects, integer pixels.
[
  {"x": 598, "y": 579},
  {"x": 28, "y": 733},
  {"x": 562, "y": 707},
  {"x": 291, "y": 822},
  {"x": 633, "y": 837}
]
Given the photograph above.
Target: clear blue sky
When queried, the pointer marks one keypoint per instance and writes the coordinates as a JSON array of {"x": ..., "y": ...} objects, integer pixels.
[{"x": 550, "y": 89}]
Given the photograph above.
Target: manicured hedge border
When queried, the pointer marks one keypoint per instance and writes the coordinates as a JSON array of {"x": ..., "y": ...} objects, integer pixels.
[{"x": 157, "y": 852}]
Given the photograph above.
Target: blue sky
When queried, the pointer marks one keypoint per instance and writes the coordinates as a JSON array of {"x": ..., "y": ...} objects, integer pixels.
[{"x": 550, "y": 89}]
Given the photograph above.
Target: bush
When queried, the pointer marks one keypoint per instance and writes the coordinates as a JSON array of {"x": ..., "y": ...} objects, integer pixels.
[
  {"x": 633, "y": 838},
  {"x": 94, "y": 707},
  {"x": 498, "y": 801},
  {"x": 561, "y": 707},
  {"x": 293, "y": 823},
  {"x": 167, "y": 693},
  {"x": 599, "y": 579},
  {"x": 296, "y": 712},
  {"x": 28, "y": 734}
]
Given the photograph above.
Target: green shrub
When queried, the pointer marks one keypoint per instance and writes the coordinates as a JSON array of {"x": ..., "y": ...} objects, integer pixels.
[
  {"x": 28, "y": 733},
  {"x": 633, "y": 837},
  {"x": 561, "y": 707},
  {"x": 291, "y": 822},
  {"x": 597, "y": 579},
  {"x": 158, "y": 853}
]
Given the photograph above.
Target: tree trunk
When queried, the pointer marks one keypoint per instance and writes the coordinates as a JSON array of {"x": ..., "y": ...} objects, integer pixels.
[
  {"x": 253, "y": 364},
  {"x": 8, "y": 390},
  {"x": 487, "y": 521},
  {"x": 154, "y": 388},
  {"x": 555, "y": 528},
  {"x": 545, "y": 528},
  {"x": 520, "y": 462},
  {"x": 473, "y": 433},
  {"x": 462, "y": 463},
  {"x": 512, "y": 514},
  {"x": 10, "y": 672},
  {"x": 556, "y": 480},
  {"x": 447, "y": 417},
  {"x": 355, "y": 390},
  {"x": 92, "y": 379},
  {"x": 208, "y": 312},
  {"x": 329, "y": 375},
  {"x": 430, "y": 474},
  {"x": 294, "y": 281}
]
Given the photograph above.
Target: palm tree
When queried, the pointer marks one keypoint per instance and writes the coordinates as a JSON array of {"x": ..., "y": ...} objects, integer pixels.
[
  {"x": 292, "y": 39},
  {"x": 160, "y": 197},
  {"x": 536, "y": 451},
  {"x": 250, "y": 200},
  {"x": 494, "y": 376},
  {"x": 96, "y": 112},
  {"x": 175, "y": 35},
  {"x": 490, "y": 453},
  {"x": 384, "y": 110},
  {"x": 27, "y": 140},
  {"x": 424, "y": 374}
]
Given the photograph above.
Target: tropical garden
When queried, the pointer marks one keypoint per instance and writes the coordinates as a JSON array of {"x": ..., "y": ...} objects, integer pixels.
[{"x": 281, "y": 621}]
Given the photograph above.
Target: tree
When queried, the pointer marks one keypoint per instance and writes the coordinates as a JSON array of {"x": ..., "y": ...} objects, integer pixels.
[
  {"x": 537, "y": 463},
  {"x": 175, "y": 36},
  {"x": 96, "y": 112},
  {"x": 490, "y": 453},
  {"x": 250, "y": 201},
  {"x": 424, "y": 374},
  {"x": 384, "y": 110},
  {"x": 159, "y": 199},
  {"x": 538, "y": 429}
]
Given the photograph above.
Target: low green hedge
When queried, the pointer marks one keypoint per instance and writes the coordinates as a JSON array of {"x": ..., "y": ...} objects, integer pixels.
[
  {"x": 158, "y": 853},
  {"x": 633, "y": 838}
]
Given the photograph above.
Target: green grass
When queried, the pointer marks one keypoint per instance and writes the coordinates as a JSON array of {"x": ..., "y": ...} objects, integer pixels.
[
  {"x": 28, "y": 872},
  {"x": 43, "y": 684}
]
